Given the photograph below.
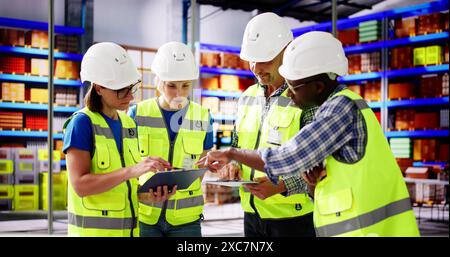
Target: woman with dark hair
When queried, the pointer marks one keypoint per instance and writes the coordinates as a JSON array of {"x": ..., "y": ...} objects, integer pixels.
[{"x": 101, "y": 144}]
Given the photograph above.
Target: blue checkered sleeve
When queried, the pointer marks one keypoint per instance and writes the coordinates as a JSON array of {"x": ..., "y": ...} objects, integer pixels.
[{"x": 331, "y": 129}]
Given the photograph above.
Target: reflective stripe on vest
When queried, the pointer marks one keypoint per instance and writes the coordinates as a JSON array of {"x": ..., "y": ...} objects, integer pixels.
[
  {"x": 186, "y": 205},
  {"x": 251, "y": 103},
  {"x": 365, "y": 220},
  {"x": 181, "y": 203},
  {"x": 113, "y": 212},
  {"x": 368, "y": 197},
  {"x": 100, "y": 222}
]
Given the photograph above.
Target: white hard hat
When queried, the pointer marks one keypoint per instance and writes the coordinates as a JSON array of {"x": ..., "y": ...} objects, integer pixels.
[
  {"x": 108, "y": 65},
  {"x": 174, "y": 61},
  {"x": 311, "y": 54},
  {"x": 265, "y": 37}
]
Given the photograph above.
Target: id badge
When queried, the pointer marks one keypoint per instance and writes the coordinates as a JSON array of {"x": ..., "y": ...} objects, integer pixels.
[
  {"x": 188, "y": 162},
  {"x": 274, "y": 136}
]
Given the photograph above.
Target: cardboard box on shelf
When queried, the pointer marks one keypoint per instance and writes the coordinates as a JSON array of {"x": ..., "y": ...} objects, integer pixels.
[
  {"x": 229, "y": 82},
  {"x": 428, "y": 120},
  {"x": 348, "y": 37},
  {"x": 210, "y": 59},
  {"x": 39, "y": 95},
  {"x": 211, "y": 83},
  {"x": 401, "y": 91},
  {"x": 405, "y": 27},
  {"x": 12, "y": 37},
  {"x": 36, "y": 38},
  {"x": 425, "y": 149},
  {"x": 13, "y": 91},
  {"x": 418, "y": 172}
]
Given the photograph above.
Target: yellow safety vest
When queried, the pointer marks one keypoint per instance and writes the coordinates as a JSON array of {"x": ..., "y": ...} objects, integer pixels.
[
  {"x": 186, "y": 205},
  {"x": 368, "y": 197},
  {"x": 281, "y": 123},
  {"x": 114, "y": 212}
]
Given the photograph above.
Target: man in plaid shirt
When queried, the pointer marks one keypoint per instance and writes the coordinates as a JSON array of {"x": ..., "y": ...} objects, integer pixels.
[{"x": 364, "y": 194}]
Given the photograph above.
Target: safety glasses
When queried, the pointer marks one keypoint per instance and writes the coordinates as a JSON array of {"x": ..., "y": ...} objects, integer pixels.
[{"x": 122, "y": 93}]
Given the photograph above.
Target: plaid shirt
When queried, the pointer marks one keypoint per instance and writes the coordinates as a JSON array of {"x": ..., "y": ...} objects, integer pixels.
[
  {"x": 338, "y": 129},
  {"x": 294, "y": 183}
]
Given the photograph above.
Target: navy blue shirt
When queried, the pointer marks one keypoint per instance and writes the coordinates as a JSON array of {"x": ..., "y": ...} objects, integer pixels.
[
  {"x": 173, "y": 130},
  {"x": 79, "y": 134}
]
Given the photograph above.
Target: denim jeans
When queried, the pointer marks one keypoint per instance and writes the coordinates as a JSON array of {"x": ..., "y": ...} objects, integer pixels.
[{"x": 163, "y": 229}]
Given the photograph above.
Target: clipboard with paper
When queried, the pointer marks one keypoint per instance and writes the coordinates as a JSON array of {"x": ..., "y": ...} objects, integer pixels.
[
  {"x": 180, "y": 177},
  {"x": 231, "y": 183}
]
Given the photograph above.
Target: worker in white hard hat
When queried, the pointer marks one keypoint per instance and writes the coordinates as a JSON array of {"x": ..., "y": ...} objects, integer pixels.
[
  {"x": 363, "y": 192},
  {"x": 266, "y": 118},
  {"x": 101, "y": 146},
  {"x": 179, "y": 131}
]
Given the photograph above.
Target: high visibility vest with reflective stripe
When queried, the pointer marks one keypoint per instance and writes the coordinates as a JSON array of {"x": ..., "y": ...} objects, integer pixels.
[
  {"x": 366, "y": 198},
  {"x": 283, "y": 121},
  {"x": 114, "y": 212},
  {"x": 186, "y": 205}
]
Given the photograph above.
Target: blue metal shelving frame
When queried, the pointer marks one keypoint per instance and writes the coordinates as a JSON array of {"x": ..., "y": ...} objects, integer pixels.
[
  {"x": 418, "y": 102},
  {"x": 35, "y": 134},
  {"x": 226, "y": 71},
  {"x": 224, "y": 117},
  {"x": 34, "y": 106},
  {"x": 221, "y": 93},
  {"x": 408, "y": 11},
  {"x": 417, "y": 71},
  {"x": 27, "y": 24},
  {"x": 42, "y": 53},
  {"x": 425, "y": 164},
  {"x": 39, "y": 79},
  {"x": 430, "y": 38},
  {"x": 417, "y": 133}
]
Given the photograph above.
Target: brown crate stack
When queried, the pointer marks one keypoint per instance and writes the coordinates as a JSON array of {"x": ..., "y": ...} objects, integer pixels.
[
  {"x": 372, "y": 91},
  {"x": 444, "y": 151},
  {"x": 370, "y": 62},
  {"x": 210, "y": 83},
  {"x": 12, "y": 65},
  {"x": 425, "y": 149},
  {"x": 404, "y": 119},
  {"x": 228, "y": 60},
  {"x": 445, "y": 84},
  {"x": 428, "y": 24},
  {"x": 354, "y": 63},
  {"x": 348, "y": 37},
  {"x": 426, "y": 120},
  {"x": 210, "y": 59},
  {"x": 67, "y": 44},
  {"x": 401, "y": 91},
  {"x": 66, "y": 69},
  {"x": 229, "y": 82},
  {"x": 244, "y": 83},
  {"x": 401, "y": 57},
  {"x": 11, "y": 120},
  {"x": 12, "y": 37},
  {"x": 39, "y": 67},
  {"x": 37, "y": 38},
  {"x": 13, "y": 92},
  {"x": 405, "y": 27},
  {"x": 430, "y": 86}
]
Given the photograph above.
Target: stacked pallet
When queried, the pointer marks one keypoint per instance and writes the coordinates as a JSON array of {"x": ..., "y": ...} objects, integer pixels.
[
  {"x": 354, "y": 63},
  {"x": 372, "y": 91},
  {"x": 401, "y": 147},
  {"x": 66, "y": 69},
  {"x": 401, "y": 91},
  {"x": 430, "y": 55},
  {"x": 37, "y": 38},
  {"x": 431, "y": 86},
  {"x": 67, "y": 44},
  {"x": 370, "y": 62},
  {"x": 66, "y": 96},
  {"x": 430, "y": 23},
  {"x": 11, "y": 120},
  {"x": 38, "y": 95},
  {"x": 12, "y": 37},
  {"x": 348, "y": 37},
  {"x": 406, "y": 27},
  {"x": 12, "y": 92},
  {"x": 401, "y": 57},
  {"x": 36, "y": 122},
  {"x": 12, "y": 65},
  {"x": 369, "y": 31}
]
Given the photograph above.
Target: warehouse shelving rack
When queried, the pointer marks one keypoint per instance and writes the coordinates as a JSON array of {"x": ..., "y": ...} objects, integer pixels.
[
  {"x": 21, "y": 135},
  {"x": 384, "y": 45},
  {"x": 38, "y": 53}
]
